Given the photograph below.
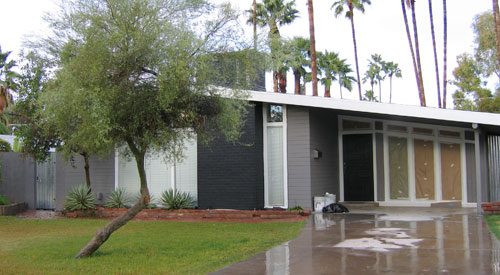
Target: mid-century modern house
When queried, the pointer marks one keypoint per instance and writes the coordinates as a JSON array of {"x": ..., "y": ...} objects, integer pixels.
[{"x": 296, "y": 147}]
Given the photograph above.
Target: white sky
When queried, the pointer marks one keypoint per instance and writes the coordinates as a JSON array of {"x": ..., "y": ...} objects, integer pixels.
[{"x": 380, "y": 30}]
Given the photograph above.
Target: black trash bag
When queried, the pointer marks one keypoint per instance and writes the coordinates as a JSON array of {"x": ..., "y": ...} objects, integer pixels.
[{"x": 335, "y": 208}]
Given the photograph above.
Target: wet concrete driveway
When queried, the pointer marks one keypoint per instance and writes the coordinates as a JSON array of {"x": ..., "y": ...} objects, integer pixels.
[{"x": 384, "y": 241}]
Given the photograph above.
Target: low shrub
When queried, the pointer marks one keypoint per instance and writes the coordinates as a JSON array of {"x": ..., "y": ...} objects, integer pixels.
[
  {"x": 119, "y": 198},
  {"x": 80, "y": 198},
  {"x": 176, "y": 200},
  {"x": 5, "y": 146},
  {"x": 296, "y": 208},
  {"x": 3, "y": 200}
]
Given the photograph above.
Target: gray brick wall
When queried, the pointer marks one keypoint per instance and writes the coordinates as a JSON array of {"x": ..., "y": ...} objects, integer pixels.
[{"x": 299, "y": 157}]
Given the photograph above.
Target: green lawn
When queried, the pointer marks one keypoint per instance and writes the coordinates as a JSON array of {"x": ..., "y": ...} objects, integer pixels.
[
  {"x": 48, "y": 246},
  {"x": 494, "y": 224}
]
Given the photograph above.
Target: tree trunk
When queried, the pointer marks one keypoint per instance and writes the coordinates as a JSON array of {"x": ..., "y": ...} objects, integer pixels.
[
  {"x": 86, "y": 166},
  {"x": 255, "y": 24},
  {"x": 314, "y": 67},
  {"x": 390, "y": 89},
  {"x": 496, "y": 17},
  {"x": 417, "y": 50},
  {"x": 282, "y": 82},
  {"x": 275, "y": 82},
  {"x": 435, "y": 54},
  {"x": 380, "y": 90},
  {"x": 297, "y": 77},
  {"x": 445, "y": 39},
  {"x": 103, "y": 234},
  {"x": 403, "y": 5},
  {"x": 355, "y": 49},
  {"x": 340, "y": 87},
  {"x": 327, "y": 91}
]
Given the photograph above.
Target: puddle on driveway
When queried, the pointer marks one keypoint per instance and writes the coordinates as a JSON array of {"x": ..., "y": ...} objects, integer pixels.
[{"x": 399, "y": 241}]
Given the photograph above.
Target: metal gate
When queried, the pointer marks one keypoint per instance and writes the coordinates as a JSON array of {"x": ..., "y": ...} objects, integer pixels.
[
  {"x": 46, "y": 183},
  {"x": 494, "y": 167}
]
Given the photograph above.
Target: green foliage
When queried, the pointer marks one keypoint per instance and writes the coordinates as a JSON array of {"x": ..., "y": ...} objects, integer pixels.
[
  {"x": 16, "y": 147},
  {"x": 473, "y": 71},
  {"x": 176, "y": 200},
  {"x": 141, "y": 247},
  {"x": 4, "y": 130},
  {"x": 296, "y": 208},
  {"x": 343, "y": 5},
  {"x": 37, "y": 135},
  {"x": 119, "y": 198},
  {"x": 370, "y": 96},
  {"x": 80, "y": 198},
  {"x": 3, "y": 200},
  {"x": 5, "y": 146}
]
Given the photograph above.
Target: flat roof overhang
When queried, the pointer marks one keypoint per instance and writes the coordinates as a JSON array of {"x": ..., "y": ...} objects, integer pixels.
[{"x": 410, "y": 113}]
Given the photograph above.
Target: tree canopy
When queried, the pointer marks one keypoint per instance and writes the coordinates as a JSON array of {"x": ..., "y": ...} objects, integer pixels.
[{"x": 140, "y": 74}]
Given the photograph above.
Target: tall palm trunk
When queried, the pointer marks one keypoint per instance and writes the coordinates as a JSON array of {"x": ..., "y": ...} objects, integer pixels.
[
  {"x": 445, "y": 40},
  {"x": 314, "y": 67},
  {"x": 255, "y": 24},
  {"x": 351, "y": 9},
  {"x": 380, "y": 90},
  {"x": 103, "y": 234},
  {"x": 435, "y": 54},
  {"x": 403, "y": 5},
  {"x": 417, "y": 51},
  {"x": 297, "y": 77},
  {"x": 340, "y": 87},
  {"x": 327, "y": 90},
  {"x": 496, "y": 17},
  {"x": 390, "y": 89}
]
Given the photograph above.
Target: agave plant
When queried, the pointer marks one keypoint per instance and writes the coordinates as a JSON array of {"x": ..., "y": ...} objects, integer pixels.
[
  {"x": 80, "y": 198},
  {"x": 176, "y": 199},
  {"x": 119, "y": 198}
]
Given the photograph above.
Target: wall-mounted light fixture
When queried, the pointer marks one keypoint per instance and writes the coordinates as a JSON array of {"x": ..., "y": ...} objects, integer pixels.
[{"x": 317, "y": 154}]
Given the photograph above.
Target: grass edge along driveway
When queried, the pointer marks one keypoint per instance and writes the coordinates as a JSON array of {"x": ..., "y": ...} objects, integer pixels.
[{"x": 48, "y": 246}]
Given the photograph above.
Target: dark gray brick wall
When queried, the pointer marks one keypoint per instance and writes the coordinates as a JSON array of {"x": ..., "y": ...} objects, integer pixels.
[{"x": 232, "y": 175}]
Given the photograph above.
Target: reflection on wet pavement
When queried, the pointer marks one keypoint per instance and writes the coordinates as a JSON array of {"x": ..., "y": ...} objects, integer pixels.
[{"x": 384, "y": 241}]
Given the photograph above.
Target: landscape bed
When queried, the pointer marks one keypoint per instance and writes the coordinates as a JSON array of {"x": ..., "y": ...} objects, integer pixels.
[
  {"x": 199, "y": 215},
  {"x": 34, "y": 246}
]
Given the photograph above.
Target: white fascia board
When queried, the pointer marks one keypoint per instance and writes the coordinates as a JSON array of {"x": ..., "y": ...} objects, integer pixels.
[{"x": 377, "y": 108}]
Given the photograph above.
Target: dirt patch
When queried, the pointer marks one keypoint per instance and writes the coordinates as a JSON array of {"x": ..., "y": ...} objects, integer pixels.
[{"x": 40, "y": 214}]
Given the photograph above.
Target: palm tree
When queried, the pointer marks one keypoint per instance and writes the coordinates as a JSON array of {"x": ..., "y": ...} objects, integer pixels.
[
  {"x": 445, "y": 40},
  {"x": 345, "y": 80},
  {"x": 372, "y": 74},
  {"x": 377, "y": 59},
  {"x": 411, "y": 3},
  {"x": 328, "y": 63},
  {"x": 435, "y": 53},
  {"x": 314, "y": 67},
  {"x": 274, "y": 13},
  {"x": 392, "y": 69},
  {"x": 298, "y": 59},
  {"x": 7, "y": 80},
  {"x": 351, "y": 5},
  {"x": 415, "y": 67}
]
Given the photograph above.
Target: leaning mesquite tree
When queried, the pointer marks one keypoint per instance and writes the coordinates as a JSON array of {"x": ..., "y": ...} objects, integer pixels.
[{"x": 143, "y": 70}]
